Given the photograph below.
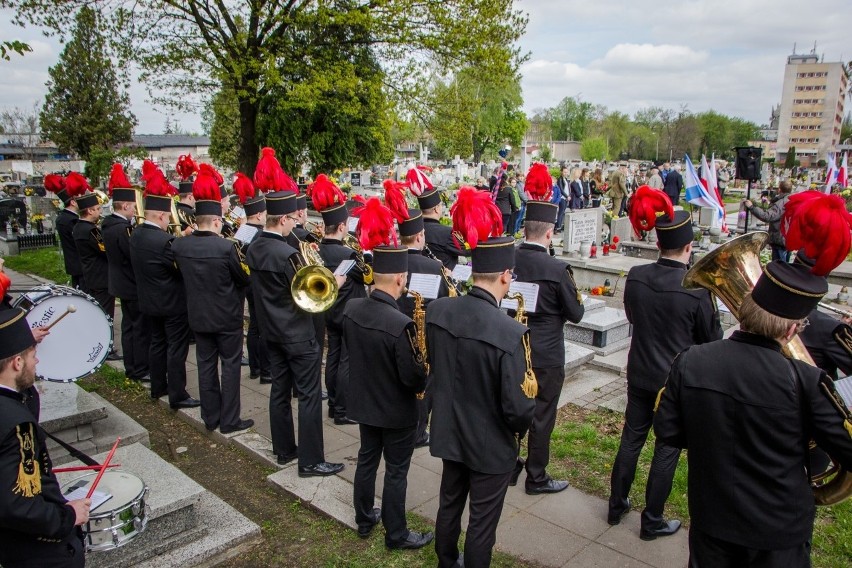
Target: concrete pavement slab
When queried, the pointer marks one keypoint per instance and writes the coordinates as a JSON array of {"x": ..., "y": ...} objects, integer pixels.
[{"x": 529, "y": 537}]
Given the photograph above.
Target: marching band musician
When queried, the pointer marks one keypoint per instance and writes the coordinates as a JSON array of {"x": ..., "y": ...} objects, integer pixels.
[
  {"x": 299, "y": 231},
  {"x": 750, "y": 499},
  {"x": 116, "y": 229},
  {"x": 330, "y": 201},
  {"x": 386, "y": 372},
  {"x": 439, "y": 238},
  {"x": 65, "y": 221},
  {"x": 558, "y": 302},
  {"x": 655, "y": 300},
  {"x": 289, "y": 333},
  {"x": 161, "y": 292},
  {"x": 478, "y": 377},
  {"x": 39, "y": 526},
  {"x": 214, "y": 274},
  {"x": 186, "y": 168}
]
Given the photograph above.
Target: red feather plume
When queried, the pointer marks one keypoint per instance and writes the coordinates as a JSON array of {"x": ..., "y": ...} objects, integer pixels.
[
  {"x": 538, "y": 182},
  {"x": 395, "y": 199},
  {"x": 54, "y": 183},
  {"x": 375, "y": 225},
  {"x": 244, "y": 188},
  {"x": 645, "y": 204},
  {"x": 155, "y": 180},
  {"x": 206, "y": 184},
  {"x": 417, "y": 180},
  {"x": 117, "y": 178},
  {"x": 820, "y": 225},
  {"x": 5, "y": 284},
  {"x": 76, "y": 185},
  {"x": 475, "y": 216},
  {"x": 269, "y": 176},
  {"x": 186, "y": 166},
  {"x": 324, "y": 193},
  {"x": 148, "y": 169}
]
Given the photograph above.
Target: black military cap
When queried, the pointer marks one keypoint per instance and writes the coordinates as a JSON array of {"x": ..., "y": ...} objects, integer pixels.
[
  {"x": 494, "y": 255},
  {"x": 280, "y": 203},
  {"x": 208, "y": 207},
  {"x": 390, "y": 260},
  {"x": 333, "y": 216},
  {"x": 301, "y": 202},
  {"x": 543, "y": 211},
  {"x": 788, "y": 290},
  {"x": 88, "y": 200},
  {"x": 185, "y": 187},
  {"x": 674, "y": 233},
  {"x": 223, "y": 193},
  {"x": 159, "y": 203},
  {"x": 429, "y": 199},
  {"x": 124, "y": 194},
  {"x": 412, "y": 225},
  {"x": 15, "y": 334},
  {"x": 255, "y": 205}
]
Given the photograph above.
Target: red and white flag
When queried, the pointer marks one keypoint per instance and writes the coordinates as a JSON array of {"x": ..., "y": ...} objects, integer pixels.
[
  {"x": 843, "y": 172},
  {"x": 830, "y": 174}
]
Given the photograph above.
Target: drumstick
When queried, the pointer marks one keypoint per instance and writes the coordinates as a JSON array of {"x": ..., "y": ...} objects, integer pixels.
[
  {"x": 103, "y": 469},
  {"x": 82, "y": 468},
  {"x": 69, "y": 310}
]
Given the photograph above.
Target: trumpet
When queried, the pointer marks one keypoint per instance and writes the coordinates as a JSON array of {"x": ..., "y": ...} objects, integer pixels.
[
  {"x": 366, "y": 269},
  {"x": 315, "y": 231},
  {"x": 313, "y": 288},
  {"x": 829, "y": 307},
  {"x": 230, "y": 223}
]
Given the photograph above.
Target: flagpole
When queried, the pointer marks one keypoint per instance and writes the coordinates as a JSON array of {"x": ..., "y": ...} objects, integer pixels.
[{"x": 748, "y": 198}]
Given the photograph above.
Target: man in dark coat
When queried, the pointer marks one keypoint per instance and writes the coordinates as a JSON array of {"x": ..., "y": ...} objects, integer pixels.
[
  {"x": 65, "y": 221},
  {"x": 673, "y": 183},
  {"x": 290, "y": 340},
  {"x": 258, "y": 356},
  {"x": 666, "y": 320},
  {"x": 439, "y": 237},
  {"x": 747, "y": 413},
  {"x": 38, "y": 526},
  {"x": 135, "y": 328},
  {"x": 558, "y": 302},
  {"x": 186, "y": 208},
  {"x": 480, "y": 408},
  {"x": 90, "y": 248},
  {"x": 386, "y": 372}
]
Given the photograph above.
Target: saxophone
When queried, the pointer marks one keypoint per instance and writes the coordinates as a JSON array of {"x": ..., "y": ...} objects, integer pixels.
[
  {"x": 420, "y": 353},
  {"x": 453, "y": 286},
  {"x": 530, "y": 384}
]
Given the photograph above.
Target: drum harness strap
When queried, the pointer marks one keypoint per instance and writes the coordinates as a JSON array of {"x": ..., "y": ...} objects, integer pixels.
[{"x": 72, "y": 450}]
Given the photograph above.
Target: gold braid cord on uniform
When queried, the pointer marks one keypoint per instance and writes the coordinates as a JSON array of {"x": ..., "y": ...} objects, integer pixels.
[
  {"x": 838, "y": 402},
  {"x": 242, "y": 259},
  {"x": 29, "y": 470},
  {"x": 530, "y": 384},
  {"x": 843, "y": 336},
  {"x": 659, "y": 398}
]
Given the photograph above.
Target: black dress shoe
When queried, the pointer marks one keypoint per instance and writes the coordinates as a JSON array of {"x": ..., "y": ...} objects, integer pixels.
[
  {"x": 343, "y": 421},
  {"x": 516, "y": 473},
  {"x": 365, "y": 529},
  {"x": 254, "y": 376},
  {"x": 552, "y": 486},
  {"x": 265, "y": 380},
  {"x": 614, "y": 517},
  {"x": 424, "y": 442},
  {"x": 241, "y": 425},
  {"x": 320, "y": 469},
  {"x": 113, "y": 356},
  {"x": 284, "y": 459},
  {"x": 413, "y": 541},
  {"x": 665, "y": 528},
  {"x": 188, "y": 402},
  {"x": 156, "y": 396},
  {"x": 211, "y": 428}
]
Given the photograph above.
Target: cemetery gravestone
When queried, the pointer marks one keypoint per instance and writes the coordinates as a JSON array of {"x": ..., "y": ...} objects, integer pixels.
[{"x": 582, "y": 225}]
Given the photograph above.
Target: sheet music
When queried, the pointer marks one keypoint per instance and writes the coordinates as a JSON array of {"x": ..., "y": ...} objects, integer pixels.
[
  {"x": 529, "y": 290},
  {"x": 79, "y": 492},
  {"x": 245, "y": 233},
  {"x": 239, "y": 212},
  {"x": 427, "y": 285},
  {"x": 352, "y": 224},
  {"x": 344, "y": 267},
  {"x": 844, "y": 388},
  {"x": 462, "y": 272}
]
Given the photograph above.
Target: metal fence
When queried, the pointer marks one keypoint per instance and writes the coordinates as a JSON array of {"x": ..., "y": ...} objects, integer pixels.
[{"x": 37, "y": 241}]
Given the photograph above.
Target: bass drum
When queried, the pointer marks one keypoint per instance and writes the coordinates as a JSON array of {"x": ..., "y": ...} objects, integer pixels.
[{"x": 76, "y": 346}]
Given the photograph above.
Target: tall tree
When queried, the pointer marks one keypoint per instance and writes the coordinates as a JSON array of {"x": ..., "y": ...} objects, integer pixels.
[
  {"x": 19, "y": 125},
  {"x": 87, "y": 106},
  {"x": 188, "y": 46},
  {"x": 571, "y": 119}
]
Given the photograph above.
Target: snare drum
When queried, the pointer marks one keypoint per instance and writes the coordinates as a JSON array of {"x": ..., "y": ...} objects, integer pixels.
[
  {"x": 121, "y": 518},
  {"x": 76, "y": 346}
]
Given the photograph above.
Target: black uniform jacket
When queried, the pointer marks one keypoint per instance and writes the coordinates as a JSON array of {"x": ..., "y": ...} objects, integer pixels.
[
  {"x": 666, "y": 320},
  {"x": 271, "y": 261},
  {"x": 158, "y": 280},
  {"x": 214, "y": 273},
  {"x": 419, "y": 264},
  {"x": 477, "y": 368},
  {"x": 383, "y": 374},
  {"x": 829, "y": 343},
  {"x": 557, "y": 303},
  {"x": 746, "y": 421},
  {"x": 333, "y": 252},
  {"x": 93, "y": 259},
  {"x": 116, "y": 234},
  {"x": 34, "y": 516},
  {"x": 440, "y": 240},
  {"x": 65, "y": 221}
]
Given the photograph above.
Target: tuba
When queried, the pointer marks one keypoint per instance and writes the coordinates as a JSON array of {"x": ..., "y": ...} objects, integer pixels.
[
  {"x": 730, "y": 272},
  {"x": 314, "y": 288}
]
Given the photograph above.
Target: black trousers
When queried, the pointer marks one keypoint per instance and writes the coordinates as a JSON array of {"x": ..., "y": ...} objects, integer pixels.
[
  {"x": 69, "y": 553},
  {"x": 638, "y": 419},
  {"x": 336, "y": 372},
  {"x": 397, "y": 446},
  {"x": 550, "y": 381},
  {"x": 424, "y": 407},
  {"x": 255, "y": 343},
  {"x": 104, "y": 300},
  {"x": 135, "y": 339},
  {"x": 167, "y": 356},
  {"x": 77, "y": 281},
  {"x": 706, "y": 551},
  {"x": 296, "y": 364},
  {"x": 487, "y": 493},
  {"x": 220, "y": 401}
]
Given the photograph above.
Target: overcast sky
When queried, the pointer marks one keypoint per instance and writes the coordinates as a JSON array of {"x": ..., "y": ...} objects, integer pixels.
[{"x": 726, "y": 55}]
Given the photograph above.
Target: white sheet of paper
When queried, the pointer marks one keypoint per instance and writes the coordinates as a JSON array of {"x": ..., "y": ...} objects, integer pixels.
[
  {"x": 529, "y": 290},
  {"x": 352, "y": 224},
  {"x": 427, "y": 285},
  {"x": 98, "y": 497},
  {"x": 245, "y": 233},
  {"x": 344, "y": 267},
  {"x": 721, "y": 306},
  {"x": 462, "y": 272},
  {"x": 844, "y": 388},
  {"x": 239, "y": 212}
]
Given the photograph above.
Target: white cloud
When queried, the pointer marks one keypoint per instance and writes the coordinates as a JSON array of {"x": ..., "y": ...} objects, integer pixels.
[{"x": 648, "y": 57}]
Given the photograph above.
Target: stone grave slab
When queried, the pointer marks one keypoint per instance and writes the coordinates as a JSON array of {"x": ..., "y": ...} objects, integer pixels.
[{"x": 582, "y": 225}]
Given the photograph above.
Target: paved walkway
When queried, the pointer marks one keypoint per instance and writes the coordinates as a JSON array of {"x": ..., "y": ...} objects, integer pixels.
[{"x": 567, "y": 529}]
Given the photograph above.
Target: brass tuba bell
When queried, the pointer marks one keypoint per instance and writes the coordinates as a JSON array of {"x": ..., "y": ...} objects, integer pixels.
[
  {"x": 730, "y": 272},
  {"x": 314, "y": 288}
]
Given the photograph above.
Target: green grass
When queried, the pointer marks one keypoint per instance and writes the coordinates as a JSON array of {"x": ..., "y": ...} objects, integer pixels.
[{"x": 45, "y": 263}]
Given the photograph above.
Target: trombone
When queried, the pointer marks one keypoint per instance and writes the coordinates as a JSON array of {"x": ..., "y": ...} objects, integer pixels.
[
  {"x": 831, "y": 308},
  {"x": 314, "y": 288}
]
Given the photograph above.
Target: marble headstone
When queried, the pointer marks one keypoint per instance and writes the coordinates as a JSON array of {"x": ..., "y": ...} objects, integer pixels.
[
  {"x": 582, "y": 225},
  {"x": 622, "y": 229}
]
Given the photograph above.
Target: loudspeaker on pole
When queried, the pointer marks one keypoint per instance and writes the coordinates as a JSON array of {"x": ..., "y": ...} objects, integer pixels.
[{"x": 748, "y": 162}]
